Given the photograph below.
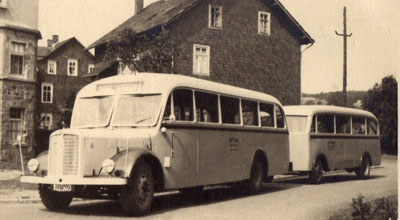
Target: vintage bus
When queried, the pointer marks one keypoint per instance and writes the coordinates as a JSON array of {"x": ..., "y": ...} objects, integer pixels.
[
  {"x": 324, "y": 138},
  {"x": 132, "y": 136}
]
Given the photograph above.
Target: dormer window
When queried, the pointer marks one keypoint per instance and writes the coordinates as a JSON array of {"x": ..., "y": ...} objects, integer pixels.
[
  {"x": 264, "y": 22},
  {"x": 215, "y": 16}
]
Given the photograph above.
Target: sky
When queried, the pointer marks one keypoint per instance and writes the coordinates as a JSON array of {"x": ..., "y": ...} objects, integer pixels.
[{"x": 373, "y": 48}]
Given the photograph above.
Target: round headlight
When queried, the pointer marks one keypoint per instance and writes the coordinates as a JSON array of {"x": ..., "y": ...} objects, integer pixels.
[
  {"x": 33, "y": 165},
  {"x": 108, "y": 165}
]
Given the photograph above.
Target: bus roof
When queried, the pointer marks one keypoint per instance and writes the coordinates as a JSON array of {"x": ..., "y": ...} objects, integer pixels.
[
  {"x": 154, "y": 83},
  {"x": 310, "y": 110}
]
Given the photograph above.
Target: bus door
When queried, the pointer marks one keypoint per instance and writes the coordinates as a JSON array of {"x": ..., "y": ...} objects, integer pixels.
[
  {"x": 343, "y": 156},
  {"x": 182, "y": 138}
]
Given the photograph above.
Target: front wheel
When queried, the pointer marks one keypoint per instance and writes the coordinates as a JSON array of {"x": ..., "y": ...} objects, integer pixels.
[
  {"x": 317, "y": 173},
  {"x": 137, "y": 197},
  {"x": 363, "y": 171},
  {"x": 54, "y": 201}
]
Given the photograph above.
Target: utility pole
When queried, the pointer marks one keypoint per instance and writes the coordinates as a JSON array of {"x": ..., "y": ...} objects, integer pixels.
[{"x": 345, "y": 36}]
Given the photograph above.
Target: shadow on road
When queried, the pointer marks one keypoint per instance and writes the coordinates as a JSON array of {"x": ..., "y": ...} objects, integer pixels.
[
  {"x": 332, "y": 178},
  {"x": 174, "y": 200}
]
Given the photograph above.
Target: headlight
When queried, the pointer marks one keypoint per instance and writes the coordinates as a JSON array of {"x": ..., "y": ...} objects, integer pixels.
[
  {"x": 33, "y": 165},
  {"x": 108, "y": 166}
]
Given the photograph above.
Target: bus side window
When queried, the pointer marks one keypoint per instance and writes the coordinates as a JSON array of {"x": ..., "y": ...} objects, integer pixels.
[
  {"x": 372, "y": 127},
  {"x": 267, "y": 115},
  {"x": 342, "y": 124},
  {"x": 206, "y": 107},
  {"x": 314, "y": 120},
  {"x": 280, "y": 121},
  {"x": 230, "y": 109},
  {"x": 183, "y": 105},
  {"x": 358, "y": 125},
  {"x": 249, "y": 112},
  {"x": 325, "y": 124},
  {"x": 167, "y": 114}
]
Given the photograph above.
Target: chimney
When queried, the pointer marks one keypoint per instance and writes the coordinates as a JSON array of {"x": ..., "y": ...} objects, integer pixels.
[
  {"x": 55, "y": 39},
  {"x": 49, "y": 43},
  {"x": 138, "y": 6}
]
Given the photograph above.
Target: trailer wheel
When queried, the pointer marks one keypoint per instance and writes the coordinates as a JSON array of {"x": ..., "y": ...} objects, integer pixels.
[{"x": 317, "y": 172}]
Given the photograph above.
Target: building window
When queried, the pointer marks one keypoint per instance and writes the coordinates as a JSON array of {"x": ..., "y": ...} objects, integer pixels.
[
  {"x": 52, "y": 67},
  {"x": 215, "y": 16},
  {"x": 16, "y": 124},
  {"x": 91, "y": 68},
  {"x": 72, "y": 67},
  {"x": 17, "y": 58},
  {"x": 46, "y": 120},
  {"x": 201, "y": 60},
  {"x": 47, "y": 93},
  {"x": 264, "y": 22}
]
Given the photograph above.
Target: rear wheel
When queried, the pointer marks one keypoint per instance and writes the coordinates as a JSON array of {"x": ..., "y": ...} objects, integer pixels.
[
  {"x": 256, "y": 177},
  {"x": 137, "y": 197},
  {"x": 317, "y": 172},
  {"x": 363, "y": 171},
  {"x": 54, "y": 201}
]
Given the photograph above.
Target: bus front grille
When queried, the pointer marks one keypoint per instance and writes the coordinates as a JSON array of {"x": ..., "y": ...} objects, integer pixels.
[{"x": 64, "y": 155}]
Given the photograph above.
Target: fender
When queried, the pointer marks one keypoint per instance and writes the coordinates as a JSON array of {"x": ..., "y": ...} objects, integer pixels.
[{"x": 124, "y": 162}]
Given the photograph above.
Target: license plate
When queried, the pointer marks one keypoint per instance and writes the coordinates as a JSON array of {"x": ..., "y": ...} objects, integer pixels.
[{"x": 62, "y": 188}]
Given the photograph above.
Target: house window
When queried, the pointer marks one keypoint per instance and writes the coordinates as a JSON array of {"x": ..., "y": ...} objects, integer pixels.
[
  {"x": 47, "y": 93},
  {"x": 16, "y": 123},
  {"x": 72, "y": 67},
  {"x": 52, "y": 67},
  {"x": 46, "y": 120},
  {"x": 215, "y": 17},
  {"x": 201, "y": 60},
  {"x": 264, "y": 22},
  {"x": 90, "y": 68},
  {"x": 17, "y": 58}
]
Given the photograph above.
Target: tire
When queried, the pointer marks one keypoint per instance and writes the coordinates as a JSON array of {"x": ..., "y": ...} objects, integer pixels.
[
  {"x": 317, "y": 173},
  {"x": 256, "y": 177},
  {"x": 363, "y": 171},
  {"x": 54, "y": 201},
  {"x": 137, "y": 196}
]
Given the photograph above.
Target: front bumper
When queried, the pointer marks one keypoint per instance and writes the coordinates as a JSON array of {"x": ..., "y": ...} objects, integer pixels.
[{"x": 68, "y": 180}]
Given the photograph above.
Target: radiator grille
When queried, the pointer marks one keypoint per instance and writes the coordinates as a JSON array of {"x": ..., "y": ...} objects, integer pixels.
[
  {"x": 64, "y": 155},
  {"x": 71, "y": 154}
]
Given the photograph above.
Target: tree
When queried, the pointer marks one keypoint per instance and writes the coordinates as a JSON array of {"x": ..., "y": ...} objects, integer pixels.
[
  {"x": 382, "y": 101},
  {"x": 152, "y": 51}
]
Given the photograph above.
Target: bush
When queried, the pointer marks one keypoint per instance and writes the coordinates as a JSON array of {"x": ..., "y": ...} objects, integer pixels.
[{"x": 361, "y": 209}]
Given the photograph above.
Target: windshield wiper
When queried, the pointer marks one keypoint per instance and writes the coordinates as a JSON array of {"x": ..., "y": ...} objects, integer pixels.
[{"x": 142, "y": 120}]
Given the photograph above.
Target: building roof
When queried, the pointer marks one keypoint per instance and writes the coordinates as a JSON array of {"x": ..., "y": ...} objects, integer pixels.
[
  {"x": 165, "y": 11},
  {"x": 46, "y": 51}
]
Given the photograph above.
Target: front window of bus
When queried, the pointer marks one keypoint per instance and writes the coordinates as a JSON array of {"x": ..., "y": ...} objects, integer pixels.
[
  {"x": 136, "y": 110},
  {"x": 297, "y": 124},
  {"x": 92, "y": 111}
]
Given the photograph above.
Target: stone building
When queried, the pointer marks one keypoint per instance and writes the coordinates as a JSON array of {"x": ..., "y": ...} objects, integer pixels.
[
  {"x": 254, "y": 44},
  {"x": 18, "y": 42},
  {"x": 61, "y": 68}
]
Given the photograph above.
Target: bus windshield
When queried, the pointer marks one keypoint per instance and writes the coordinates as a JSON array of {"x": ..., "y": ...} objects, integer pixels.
[
  {"x": 297, "y": 123},
  {"x": 128, "y": 110}
]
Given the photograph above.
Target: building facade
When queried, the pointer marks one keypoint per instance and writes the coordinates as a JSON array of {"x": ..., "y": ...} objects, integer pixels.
[
  {"x": 61, "y": 68},
  {"x": 254, "y": 44},
  {"x": 18, "y": 42}
]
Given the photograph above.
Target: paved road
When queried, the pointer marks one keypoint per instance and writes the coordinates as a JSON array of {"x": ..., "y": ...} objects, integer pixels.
[{"x": 285, "y": 199}]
